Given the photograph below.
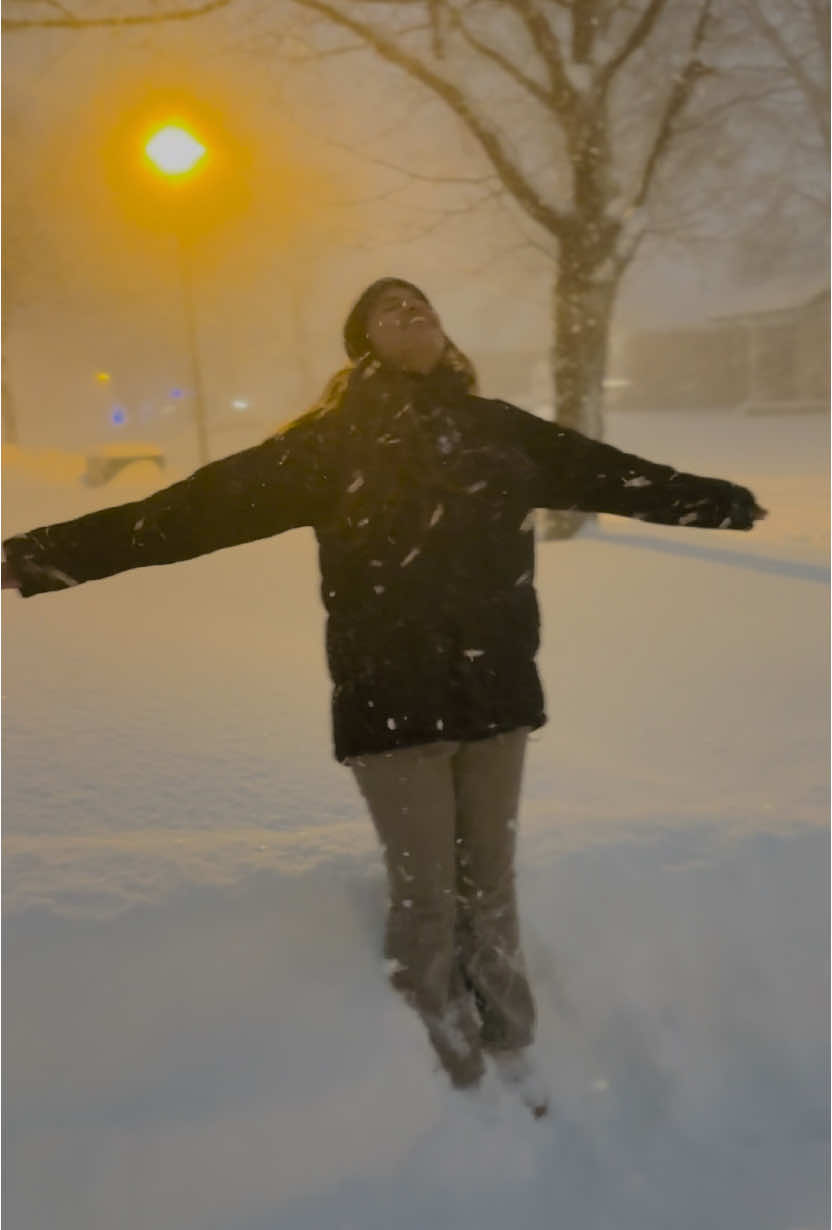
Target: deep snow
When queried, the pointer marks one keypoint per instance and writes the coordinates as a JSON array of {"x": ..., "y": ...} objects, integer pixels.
[{"x": 198, "y": 1029}]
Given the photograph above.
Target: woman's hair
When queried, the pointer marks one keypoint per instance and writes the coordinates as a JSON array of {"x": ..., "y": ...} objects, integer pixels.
[{"x": 453, "y": 367}]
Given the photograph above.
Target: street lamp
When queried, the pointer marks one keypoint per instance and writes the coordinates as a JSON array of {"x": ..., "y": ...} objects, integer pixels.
[{"x": 176, "y": 153}]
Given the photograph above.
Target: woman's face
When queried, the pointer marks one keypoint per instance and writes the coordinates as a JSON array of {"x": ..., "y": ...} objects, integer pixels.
[{"x": 404, "y": 330}]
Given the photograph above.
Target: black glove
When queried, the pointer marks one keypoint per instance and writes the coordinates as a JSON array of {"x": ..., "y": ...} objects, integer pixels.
[{"x": 743, "y": 510}]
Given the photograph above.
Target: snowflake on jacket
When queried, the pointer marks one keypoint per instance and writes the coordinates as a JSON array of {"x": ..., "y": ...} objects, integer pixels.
[{"x": 422, "y": 497}]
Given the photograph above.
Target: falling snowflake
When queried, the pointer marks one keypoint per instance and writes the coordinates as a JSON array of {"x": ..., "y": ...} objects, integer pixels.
[{"x": 65, "y": 579}]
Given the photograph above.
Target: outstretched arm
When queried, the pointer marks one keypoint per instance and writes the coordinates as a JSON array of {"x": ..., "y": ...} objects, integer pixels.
[
  {"x": 577, "y": 472},
  {"x": 253, "y": 494}
]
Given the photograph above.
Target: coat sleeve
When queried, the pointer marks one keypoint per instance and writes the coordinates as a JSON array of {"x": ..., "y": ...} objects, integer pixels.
[
  {"x": 574, "y": 471},
  {"x": 275, "y": 486}
]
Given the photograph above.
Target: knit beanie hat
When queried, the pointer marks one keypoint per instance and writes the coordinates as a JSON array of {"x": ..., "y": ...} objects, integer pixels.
[{"x": 355, "y": 327}]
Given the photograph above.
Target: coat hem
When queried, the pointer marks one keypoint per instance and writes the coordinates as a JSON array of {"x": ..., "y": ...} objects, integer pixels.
[{"x": 346, "y": 754}]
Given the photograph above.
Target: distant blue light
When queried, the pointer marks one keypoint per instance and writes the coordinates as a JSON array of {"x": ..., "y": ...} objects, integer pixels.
[
  {"x": 177, "y": 393},
  {"x": 119, "y": 416}
]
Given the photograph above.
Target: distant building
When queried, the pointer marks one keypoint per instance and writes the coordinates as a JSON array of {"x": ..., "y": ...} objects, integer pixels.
[
  {"x": 766, "y": 352},
  {"x": 786, "y": 354}
]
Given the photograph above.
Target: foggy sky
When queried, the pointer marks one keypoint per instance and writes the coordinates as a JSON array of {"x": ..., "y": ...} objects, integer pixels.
[{"x": 89, "y": 287}]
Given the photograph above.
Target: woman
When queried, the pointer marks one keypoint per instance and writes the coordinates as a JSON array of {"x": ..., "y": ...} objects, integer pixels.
[{"x": 422, "y": 497}]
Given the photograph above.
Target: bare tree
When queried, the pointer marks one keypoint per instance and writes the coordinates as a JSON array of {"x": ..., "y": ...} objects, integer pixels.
[
  {"x": 576, "y": 110},
  {"x": 547, "y": 91}
]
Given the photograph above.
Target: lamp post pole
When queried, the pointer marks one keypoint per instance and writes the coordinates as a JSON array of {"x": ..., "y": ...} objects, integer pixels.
[
  {"x": 175, "y": 153},
  {"x": 192, "y": 339}
]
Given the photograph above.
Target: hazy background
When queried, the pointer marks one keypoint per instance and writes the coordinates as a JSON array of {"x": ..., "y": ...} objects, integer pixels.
[
  {"x": 198, "y": 1030},
  {"x": 334, "y": 168}
]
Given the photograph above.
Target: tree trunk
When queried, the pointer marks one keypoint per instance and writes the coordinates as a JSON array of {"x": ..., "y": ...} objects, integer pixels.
[{"x": 584, "y": 294}]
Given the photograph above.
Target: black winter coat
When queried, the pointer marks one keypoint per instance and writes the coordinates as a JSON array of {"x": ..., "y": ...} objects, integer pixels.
[{"x": 422, "y": 497}]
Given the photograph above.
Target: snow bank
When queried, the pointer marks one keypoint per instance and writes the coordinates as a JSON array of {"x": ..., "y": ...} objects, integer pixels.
[{"x": 199, "y": 1031}]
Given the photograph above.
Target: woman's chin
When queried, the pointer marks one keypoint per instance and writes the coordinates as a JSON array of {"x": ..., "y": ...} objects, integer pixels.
[{"x": 424, "y": 354}]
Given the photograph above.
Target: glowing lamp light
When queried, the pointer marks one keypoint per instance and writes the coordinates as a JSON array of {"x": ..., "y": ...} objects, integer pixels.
[
  {"x": 102, "y": 377},
  {"x": 239, "y": 403},
  {"x": 174, "y": 151}
]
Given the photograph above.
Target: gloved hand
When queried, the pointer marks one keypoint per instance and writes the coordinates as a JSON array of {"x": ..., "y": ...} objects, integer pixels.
[{"x": 743, "y": 510}]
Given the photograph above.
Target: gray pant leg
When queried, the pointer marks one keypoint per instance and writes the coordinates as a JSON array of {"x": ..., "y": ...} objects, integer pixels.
[
  {"x": 410, "y": 794},
  {"x": 488, "y": 776}
]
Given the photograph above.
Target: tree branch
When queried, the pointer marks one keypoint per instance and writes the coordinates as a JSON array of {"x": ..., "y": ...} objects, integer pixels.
[
  {"x": 625, "y": 258},
  {"x": 436, "y": 29},
  {"x": 408, "y": 172},
  {"x": 507, "y": 169},
  {"x": 819, "y": 17},
  {"x": 706, "y": 116},
  {"x": 638, "y": 36},
  {"x": 67, "y": 21},
  {"x": 564, "y": 94},
  {"x": 813, "y": 93},
  {"x": 528, "y": 83},
  {"x": 347, "y": 49},
  {"x": 312, "y": 57},
  {"x": 678, "y": 99}
]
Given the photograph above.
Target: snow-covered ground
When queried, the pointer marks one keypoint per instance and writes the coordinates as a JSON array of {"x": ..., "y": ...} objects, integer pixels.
[{"x": 199, "y": 1035}]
